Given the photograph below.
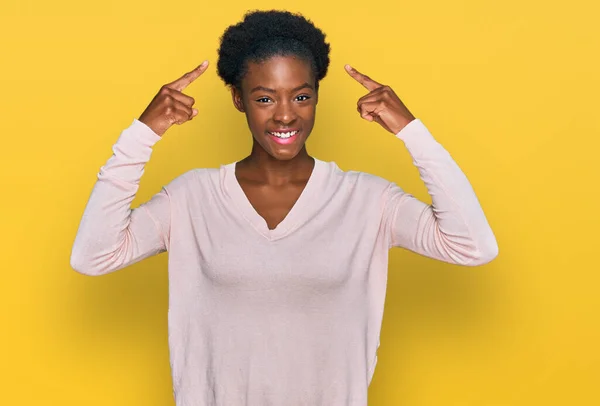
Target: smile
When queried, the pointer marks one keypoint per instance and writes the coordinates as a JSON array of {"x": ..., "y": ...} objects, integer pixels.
[{"x": 284, "y": 137}]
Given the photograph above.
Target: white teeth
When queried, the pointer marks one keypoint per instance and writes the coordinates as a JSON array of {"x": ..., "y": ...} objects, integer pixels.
[{"x": 285, "y": 135}]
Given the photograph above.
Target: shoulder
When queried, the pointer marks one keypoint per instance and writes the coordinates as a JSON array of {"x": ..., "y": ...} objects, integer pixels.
[
  {"x": 363, "y": 181},
  {"x": 192, "y": 180}
]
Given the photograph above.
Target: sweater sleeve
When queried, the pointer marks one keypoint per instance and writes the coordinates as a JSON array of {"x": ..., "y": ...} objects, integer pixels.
[
  {"x": 453, "y": 228},
  {"x": 111, "y": 235}
]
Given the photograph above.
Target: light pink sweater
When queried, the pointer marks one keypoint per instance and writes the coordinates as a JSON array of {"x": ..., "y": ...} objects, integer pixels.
[{"x": 289, "y": 316}]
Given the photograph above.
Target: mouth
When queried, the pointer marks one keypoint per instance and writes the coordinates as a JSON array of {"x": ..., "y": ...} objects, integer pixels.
[{"x": 284, "y": 137}]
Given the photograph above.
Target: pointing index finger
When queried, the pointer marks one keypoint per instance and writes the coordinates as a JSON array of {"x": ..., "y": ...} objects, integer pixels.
[
  {"x": 188, "y": 78},
  {"x": 364, "y": 80}
]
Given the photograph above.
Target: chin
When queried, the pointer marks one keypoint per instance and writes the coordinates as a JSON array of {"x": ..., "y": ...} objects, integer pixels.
[{"x": 284, "y": 155}]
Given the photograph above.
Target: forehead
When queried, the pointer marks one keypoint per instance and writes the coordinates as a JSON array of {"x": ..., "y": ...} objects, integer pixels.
[{"x": 278, "y": 72}]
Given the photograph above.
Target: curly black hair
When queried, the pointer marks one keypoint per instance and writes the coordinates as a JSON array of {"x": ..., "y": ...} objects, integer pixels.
[{"x": 264, "y": 34}]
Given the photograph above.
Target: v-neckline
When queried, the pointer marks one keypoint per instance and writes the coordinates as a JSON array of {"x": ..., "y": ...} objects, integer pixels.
[{"x": 293, "y": 217}]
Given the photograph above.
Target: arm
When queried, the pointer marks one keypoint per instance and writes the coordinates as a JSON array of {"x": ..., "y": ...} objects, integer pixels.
[
  {"x": 453, "y": 228},
  {"x": 111, "y": 235}
]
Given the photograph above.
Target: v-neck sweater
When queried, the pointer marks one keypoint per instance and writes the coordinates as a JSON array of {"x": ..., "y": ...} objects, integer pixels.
[{"x": 289, "y": 316}]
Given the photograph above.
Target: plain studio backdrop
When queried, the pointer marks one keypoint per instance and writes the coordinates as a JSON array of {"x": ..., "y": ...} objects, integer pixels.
[{"x": 509, "y": 88}]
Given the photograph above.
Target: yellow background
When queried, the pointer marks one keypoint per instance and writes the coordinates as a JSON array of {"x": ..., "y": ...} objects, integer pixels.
[{"x": 509, "y": 88}]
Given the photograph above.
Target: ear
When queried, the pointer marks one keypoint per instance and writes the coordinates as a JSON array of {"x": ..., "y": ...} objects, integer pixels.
[{"x": 236, "y": 96}]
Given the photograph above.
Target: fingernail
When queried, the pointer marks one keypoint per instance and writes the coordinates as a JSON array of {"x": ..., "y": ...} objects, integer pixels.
[
  {"x": 348, "y": 67},
  {"x": 194, "y": 112}
]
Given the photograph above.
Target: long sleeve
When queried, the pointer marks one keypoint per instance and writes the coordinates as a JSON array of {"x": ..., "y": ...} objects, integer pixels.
[
  {"x": 453, "y": 228},
  {"x": 111, "y": 235}
]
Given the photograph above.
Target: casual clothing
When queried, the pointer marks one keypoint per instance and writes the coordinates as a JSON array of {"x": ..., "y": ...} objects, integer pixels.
[{"x": 290, "y": 316}]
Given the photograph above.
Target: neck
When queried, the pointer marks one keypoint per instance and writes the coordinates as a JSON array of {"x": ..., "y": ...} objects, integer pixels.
[{"x": 261, "y": 167}]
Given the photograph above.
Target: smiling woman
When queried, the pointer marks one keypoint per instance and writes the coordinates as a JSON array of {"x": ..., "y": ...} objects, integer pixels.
[
  {"x": 278, "y": 261},
  {"x": 273, "y": 62},
  {"x": 280, "y": 113}
]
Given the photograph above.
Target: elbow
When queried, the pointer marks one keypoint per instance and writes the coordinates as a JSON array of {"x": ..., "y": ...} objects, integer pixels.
[
  {"x": 90, "y": 264},
  {"x": 485, "y": 253},
  {"x": 80, "y": 265}
]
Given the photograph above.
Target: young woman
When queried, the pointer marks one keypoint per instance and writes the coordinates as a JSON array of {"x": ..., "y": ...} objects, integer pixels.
[{"x": 277, "y": 262}]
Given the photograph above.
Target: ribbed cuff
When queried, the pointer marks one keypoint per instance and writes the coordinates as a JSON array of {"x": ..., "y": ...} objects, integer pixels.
[{"x": 144, "y": 132}]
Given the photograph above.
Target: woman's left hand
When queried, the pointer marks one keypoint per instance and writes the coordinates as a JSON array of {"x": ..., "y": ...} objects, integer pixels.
[{"x": 381, "y": 104}]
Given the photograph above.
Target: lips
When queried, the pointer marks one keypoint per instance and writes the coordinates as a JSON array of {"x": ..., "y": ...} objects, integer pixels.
[
  {"x": 284, "y": 130},
  {"x": 284, "y": 141},
  {"x": 284, "y": 133}
]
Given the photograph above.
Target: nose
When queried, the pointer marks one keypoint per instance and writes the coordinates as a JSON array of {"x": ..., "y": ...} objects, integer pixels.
[{"x": 284, "y": 112}]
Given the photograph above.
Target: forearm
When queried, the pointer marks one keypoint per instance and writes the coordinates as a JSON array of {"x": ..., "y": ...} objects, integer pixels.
[
  {"x": 106, "y": 240},
  {"x": 454, "y": 226}
]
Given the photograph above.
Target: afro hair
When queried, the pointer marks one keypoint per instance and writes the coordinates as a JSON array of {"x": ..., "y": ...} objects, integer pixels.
[{"x": 264, "y": 34}]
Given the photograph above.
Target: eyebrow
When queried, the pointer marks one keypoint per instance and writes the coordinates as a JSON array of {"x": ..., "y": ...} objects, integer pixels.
[{"x": 266, "y": 89}]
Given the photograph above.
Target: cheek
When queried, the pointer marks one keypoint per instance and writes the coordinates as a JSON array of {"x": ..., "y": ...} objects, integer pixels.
[
  {"x": 308, "y": 113},
  {"x": 257, "y": 118}
]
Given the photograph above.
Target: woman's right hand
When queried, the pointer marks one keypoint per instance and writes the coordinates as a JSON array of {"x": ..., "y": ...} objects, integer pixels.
[{"x": 170, "y": 106}]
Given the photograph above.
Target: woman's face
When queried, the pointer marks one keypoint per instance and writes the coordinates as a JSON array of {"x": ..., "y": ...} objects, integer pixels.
[{"x": 279, "y": 99}]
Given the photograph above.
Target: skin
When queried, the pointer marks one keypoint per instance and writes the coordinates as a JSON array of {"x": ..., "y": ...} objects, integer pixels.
[{"x": 276, "y": 94}]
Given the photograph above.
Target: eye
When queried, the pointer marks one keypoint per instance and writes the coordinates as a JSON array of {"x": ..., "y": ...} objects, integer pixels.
[
  {"x": 263, "y": 100},
  {"x": 306, "y": 97}
]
